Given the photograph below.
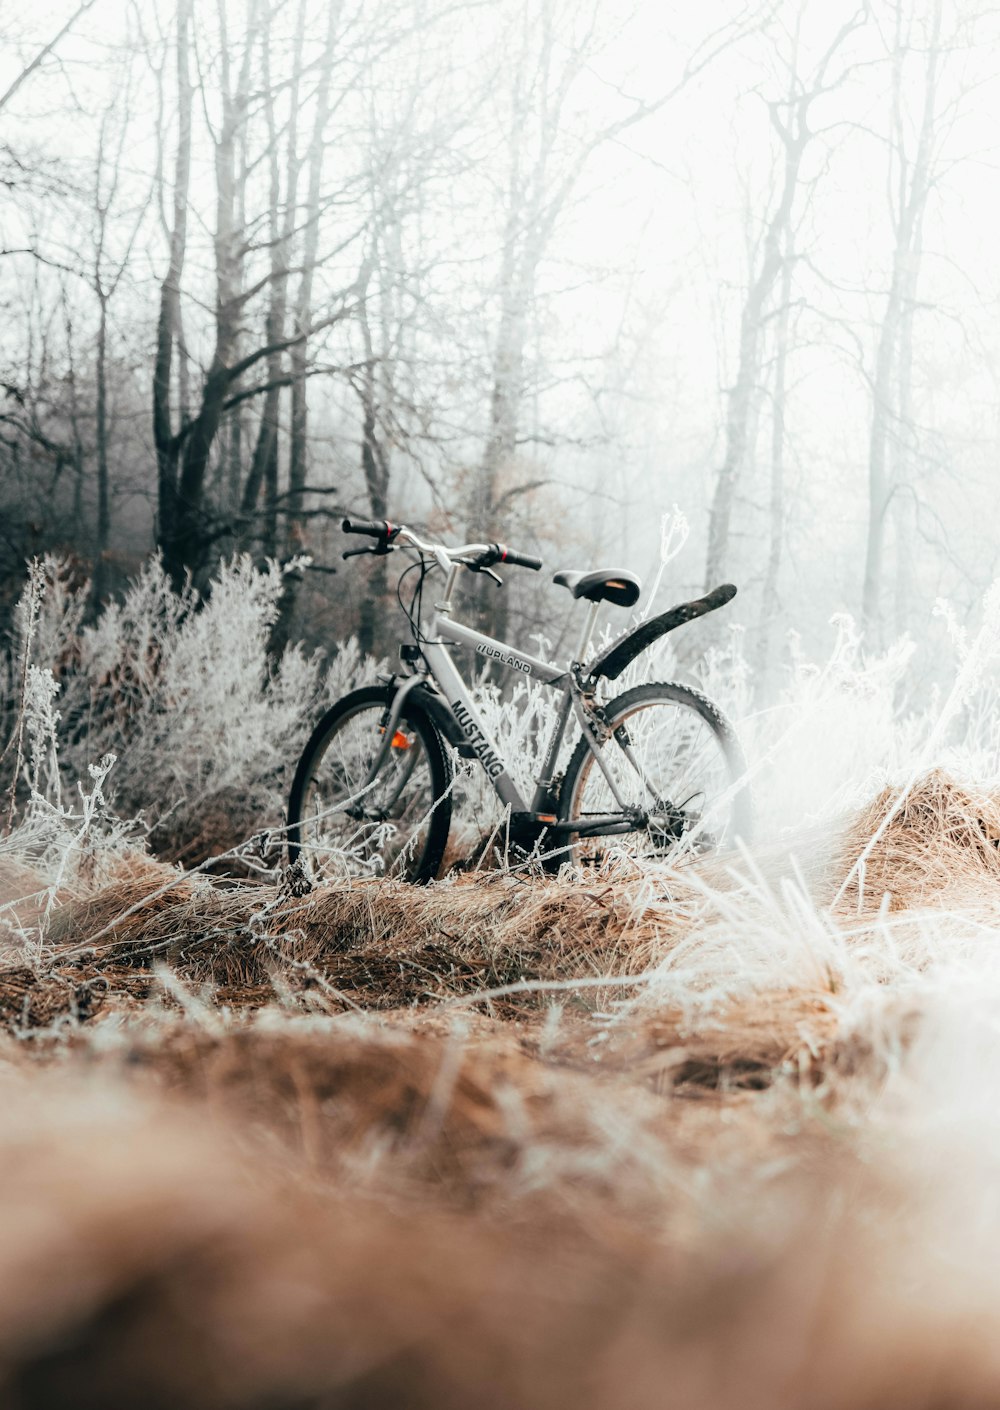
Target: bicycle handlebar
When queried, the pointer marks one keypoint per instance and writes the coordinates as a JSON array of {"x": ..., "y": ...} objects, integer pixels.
[
  {"x": 374, "y": 528},
  {"x": 522, "y": 560},
  {"x": 474, "y": 556}
]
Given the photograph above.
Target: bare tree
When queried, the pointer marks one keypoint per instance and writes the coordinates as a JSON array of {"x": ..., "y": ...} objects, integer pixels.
[
  {"x": 189, "y": 523},
  {"x": 790, "y": 119},
  {"x": 303, "y": 317},
  {"x": 263, "y": 472},
  {"x": 544, "y": 158},
  {"x": 293, "y": 539},
  {"x": 169, "y": 332},
  {"x": 911, "y": 180},
  {"x": 107, "y": 270},
  {"x": 408, "y": 153},
  {"x": 769, "y": 605}
]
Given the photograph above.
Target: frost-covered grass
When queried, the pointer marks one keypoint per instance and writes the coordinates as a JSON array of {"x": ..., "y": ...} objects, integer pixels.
[
  {"x": 718, "y": 1135},
  {"x": 179, "y": 690},
  {"x": 205, "y": 727}
]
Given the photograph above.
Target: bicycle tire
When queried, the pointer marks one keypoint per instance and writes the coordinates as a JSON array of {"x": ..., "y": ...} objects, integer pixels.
[
  {"x": 328, "y": 840},
  {"x": 689, "y": 820}
]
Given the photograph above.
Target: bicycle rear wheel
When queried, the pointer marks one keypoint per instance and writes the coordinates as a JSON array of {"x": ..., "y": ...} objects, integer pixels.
[
  {"x": 340, "y": 825},
  {"x": 674, "y": 756}
]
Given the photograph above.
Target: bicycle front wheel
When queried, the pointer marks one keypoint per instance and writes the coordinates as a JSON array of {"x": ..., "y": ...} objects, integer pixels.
[
  {"x": 343, "y": 825},
  {"x": 675, "y": 759}
]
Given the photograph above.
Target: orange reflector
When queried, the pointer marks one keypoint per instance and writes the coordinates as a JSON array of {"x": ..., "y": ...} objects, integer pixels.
[
  {"x": 547, "y": 817},
  {"x": 400, "y": 740}
]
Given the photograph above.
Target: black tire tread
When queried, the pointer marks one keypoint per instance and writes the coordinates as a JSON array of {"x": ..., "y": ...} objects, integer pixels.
[{"x": 684, "y": 695}]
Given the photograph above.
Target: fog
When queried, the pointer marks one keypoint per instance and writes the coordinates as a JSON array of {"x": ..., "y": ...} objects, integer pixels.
[{"x": 531, "y": 272}]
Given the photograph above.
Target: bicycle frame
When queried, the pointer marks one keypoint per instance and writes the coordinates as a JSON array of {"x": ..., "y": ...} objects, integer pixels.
[
  {"x": 469, "y": 723},
  {"x": 467, "y": 715}
]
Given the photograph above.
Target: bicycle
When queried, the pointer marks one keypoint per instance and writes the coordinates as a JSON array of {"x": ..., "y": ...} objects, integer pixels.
[{"x": 372, "y": 793}]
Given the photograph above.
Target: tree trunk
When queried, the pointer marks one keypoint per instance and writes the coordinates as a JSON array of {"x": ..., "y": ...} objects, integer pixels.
[
  {"x": 374, "y": 467},
  {"x": 168, "y": 324},
  {"x": 234, "y": 461},
  {"x": 879, "y": 490},
  {"x": 776, "y": 526},
  {"x": 298, "y": 450},
  {"x": 78, "y": 456},
  {"x": 913, "y": 189},
  {"x": 293, "y": 539},
  {"x": 905, "y": 502},
  {"x": 185, "y": 554},
  {"x": 795, "y": 136},
  {"x": 102, "y": 541},
  {"x": 790, "y": 120},
  {"x": 264, "y": 465}
]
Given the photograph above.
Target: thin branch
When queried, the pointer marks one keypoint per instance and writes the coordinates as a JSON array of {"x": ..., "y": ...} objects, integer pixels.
[
  {"x": 43, "y": 53},
  {"x": 275, "y": 383}
]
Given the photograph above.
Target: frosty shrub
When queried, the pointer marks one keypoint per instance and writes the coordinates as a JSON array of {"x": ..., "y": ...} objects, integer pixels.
[
  {"x": 845, "y": 727},
  {"x": 205, "y": 726}
]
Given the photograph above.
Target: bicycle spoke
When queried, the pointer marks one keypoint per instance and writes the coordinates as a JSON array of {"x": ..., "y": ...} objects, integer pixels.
[
  {"x": 353, "y": 825},
  {"x": 670, "y": 766}
]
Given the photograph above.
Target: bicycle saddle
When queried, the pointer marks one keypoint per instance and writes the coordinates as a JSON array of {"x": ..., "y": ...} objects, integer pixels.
[{"x": 615, "y": 585}]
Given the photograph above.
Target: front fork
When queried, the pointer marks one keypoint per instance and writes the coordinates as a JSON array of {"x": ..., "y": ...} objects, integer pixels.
[{"x": 390, "y": 723}]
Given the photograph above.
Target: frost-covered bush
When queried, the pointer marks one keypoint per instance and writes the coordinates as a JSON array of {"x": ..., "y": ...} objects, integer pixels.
[
  {"x": 205, "y": 726},
  {"x": 835, "y": 734},
  {"x": 843, "y": 727}
]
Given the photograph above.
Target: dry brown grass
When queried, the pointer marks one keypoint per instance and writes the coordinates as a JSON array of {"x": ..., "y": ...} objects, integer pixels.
[
  {"x": 383, "y": 942},
  {"x": 144, "y": 1261},
  {"x": 23, "y": 897},
  {"x": 941, "y": 847},
  {"x": 736, "y": 1046},
  {"x": 260, "y": 1150}
]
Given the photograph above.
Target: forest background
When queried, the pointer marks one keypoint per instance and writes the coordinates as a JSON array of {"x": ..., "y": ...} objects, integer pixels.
[{"x": 538, "y": 272}]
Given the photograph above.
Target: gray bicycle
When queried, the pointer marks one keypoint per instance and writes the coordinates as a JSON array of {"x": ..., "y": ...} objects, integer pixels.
[{"x": 658, "y": 768}]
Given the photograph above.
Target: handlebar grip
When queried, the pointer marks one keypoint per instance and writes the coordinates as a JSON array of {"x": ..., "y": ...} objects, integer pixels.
[
  {"x": 375, "y": 528},
  {"x": 521, "y": 560}
]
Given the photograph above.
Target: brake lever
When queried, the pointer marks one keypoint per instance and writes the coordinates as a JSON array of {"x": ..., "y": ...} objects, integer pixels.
[
  {"x": 356, "y": 552},
  {"x": 481, "y": 567}
]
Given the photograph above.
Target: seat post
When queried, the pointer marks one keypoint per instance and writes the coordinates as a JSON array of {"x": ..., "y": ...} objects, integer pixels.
[{"x": 588, "y": 632}]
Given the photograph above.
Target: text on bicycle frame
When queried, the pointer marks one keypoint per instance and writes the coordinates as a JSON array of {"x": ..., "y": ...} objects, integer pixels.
[
  {"x": 506, "y": 658},
  {"x": 478, "y": 740}
]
